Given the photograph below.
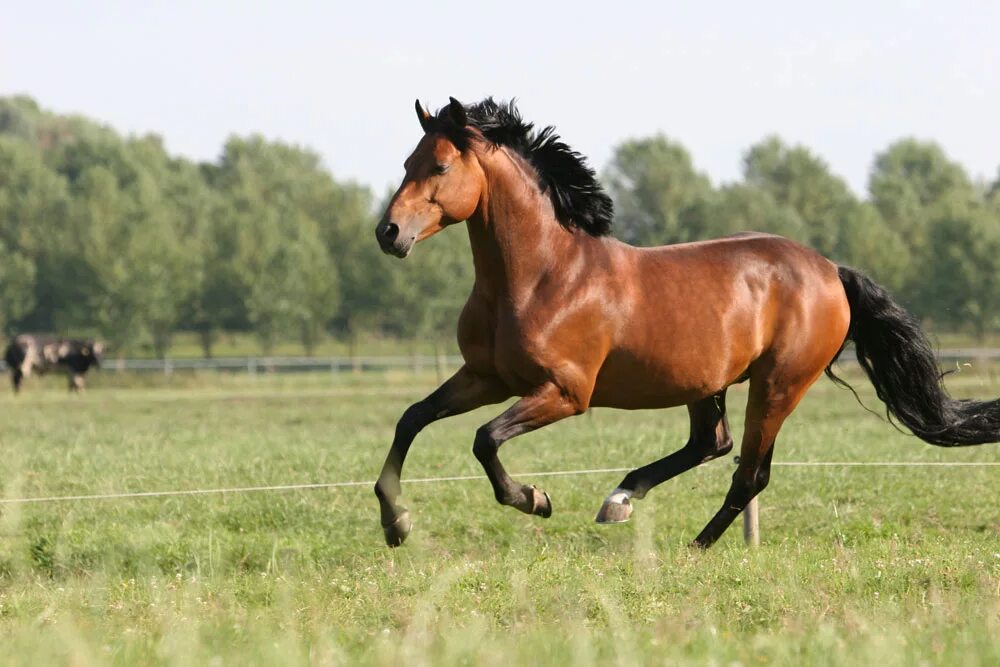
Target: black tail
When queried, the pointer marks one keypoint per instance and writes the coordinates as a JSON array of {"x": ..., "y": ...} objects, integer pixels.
[{"x": 901, "y": 364}]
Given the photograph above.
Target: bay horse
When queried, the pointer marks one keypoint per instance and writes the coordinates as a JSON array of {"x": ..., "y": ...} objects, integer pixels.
[{"x": 566, "y": 317}]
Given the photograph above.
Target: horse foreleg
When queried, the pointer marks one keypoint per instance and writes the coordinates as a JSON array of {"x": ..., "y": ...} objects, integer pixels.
[
  {"x": 710, "y": 438},
  {"x": 462, "y": 392},
  {"x": 545, "y": 406}
]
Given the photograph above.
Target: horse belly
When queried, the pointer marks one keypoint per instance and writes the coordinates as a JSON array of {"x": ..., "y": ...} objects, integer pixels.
[{"x": 628, "y": 382}]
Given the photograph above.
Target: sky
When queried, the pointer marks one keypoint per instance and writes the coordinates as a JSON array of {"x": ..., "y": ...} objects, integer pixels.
[{"x": 845, "y": 79}]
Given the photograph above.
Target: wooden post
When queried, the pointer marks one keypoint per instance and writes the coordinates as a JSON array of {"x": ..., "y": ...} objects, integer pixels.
[{"x": 751, "y": 524}]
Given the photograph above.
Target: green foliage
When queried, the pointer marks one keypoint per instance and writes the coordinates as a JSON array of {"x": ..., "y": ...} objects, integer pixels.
[
  {"x": 917, "y": 188},
  {"x": 963, "y": 285},
  {"x": 796, "y": 178},
  {"x": 867, "y": 242},
  {"x": 17, "y": 283},
  {"x": 659, "y": 196},
  {"x": 116, "y": 238},
  {"x": 295, "y": 288},
  {"x": 911, "y": 180}
]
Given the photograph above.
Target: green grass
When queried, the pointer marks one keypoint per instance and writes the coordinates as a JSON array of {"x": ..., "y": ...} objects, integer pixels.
[{"x": 857, "y": 566}]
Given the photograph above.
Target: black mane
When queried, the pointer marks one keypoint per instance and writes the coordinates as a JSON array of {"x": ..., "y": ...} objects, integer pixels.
[{"x": 577, "y": 196}]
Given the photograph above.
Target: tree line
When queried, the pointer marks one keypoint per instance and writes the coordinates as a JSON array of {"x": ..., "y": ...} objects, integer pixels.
[{"x": 112, "y": 236}]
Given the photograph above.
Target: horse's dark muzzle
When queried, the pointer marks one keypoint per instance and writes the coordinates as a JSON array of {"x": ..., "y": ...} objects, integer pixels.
[{"x": 387, "y": 234}]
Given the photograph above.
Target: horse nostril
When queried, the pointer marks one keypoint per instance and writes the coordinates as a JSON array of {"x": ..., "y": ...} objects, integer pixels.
[{"x": 390, "y": 231}]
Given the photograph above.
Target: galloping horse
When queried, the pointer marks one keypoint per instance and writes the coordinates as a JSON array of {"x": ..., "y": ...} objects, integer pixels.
[{"x": 566, "y": 317}]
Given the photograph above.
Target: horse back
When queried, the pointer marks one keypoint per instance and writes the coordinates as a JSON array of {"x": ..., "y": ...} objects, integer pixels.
[{"x": 700, "y": 314}]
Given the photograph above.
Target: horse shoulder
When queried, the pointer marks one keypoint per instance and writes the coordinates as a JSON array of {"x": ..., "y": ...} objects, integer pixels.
[{"x": 477, "y": 334}]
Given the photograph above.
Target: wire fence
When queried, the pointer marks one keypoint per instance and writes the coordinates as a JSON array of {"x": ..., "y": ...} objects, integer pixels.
[{"x": 311, "y": 486}]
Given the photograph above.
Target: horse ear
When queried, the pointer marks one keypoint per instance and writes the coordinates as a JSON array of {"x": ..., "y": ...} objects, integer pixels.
[
  {"x": 423, "y": 116},
  {"x": 457, "y": 113}
]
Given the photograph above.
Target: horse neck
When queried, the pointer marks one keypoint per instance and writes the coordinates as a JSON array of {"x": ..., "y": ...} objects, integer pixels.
[{"x": 515, "y": 236}]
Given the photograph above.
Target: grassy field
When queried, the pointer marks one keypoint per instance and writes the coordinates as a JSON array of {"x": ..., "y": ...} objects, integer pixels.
[{"x": 858, "y": 566}]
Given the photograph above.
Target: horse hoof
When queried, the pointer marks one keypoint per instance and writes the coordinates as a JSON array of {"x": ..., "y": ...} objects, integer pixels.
[
  {"x": 396, "y": 532},
  {"x": 541, "y": 504},
  {"x": 614, "y": 512}
]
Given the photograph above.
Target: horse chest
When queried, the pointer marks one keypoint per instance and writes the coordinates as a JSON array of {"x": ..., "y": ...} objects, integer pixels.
[{"x": 506, "y": 344}]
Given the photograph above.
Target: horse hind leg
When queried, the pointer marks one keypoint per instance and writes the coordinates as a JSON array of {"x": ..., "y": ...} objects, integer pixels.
[
  {"x": 710, "y": 438},
  {"x": 773, "y": 396}
]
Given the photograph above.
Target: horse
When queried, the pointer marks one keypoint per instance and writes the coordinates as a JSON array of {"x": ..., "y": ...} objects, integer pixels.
[{"x": 566, "y": 317}]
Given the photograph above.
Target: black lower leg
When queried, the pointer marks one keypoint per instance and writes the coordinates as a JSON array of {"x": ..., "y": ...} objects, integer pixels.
[
  {"x": 748, "y": 481},
  {"x": 388, "y": 488},
  {"x": 710, "y": 438},
  {"x": 548, "y": 404},
  {"x": 507, "y": 491},
  {"x": 464, "y": 391}
]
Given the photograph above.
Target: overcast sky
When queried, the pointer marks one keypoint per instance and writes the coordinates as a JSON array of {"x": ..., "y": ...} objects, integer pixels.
[{"x": 341, "y": 77}]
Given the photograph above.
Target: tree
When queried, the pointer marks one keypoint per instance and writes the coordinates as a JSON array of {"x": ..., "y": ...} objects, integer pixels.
[
  {"x": 295, "y": 287},
  {"x": 911, "y": 181},
  {"x": 993, "y": 195},
  {"x": 962, "y": 285},
  {"x": 912, "y": 184},
  {"x": 867, "y": 243},
  {"x": 19, "y": 118},
  {"x": 659, "y": 197},
  {"x": 142, "y": 272},
  {"x": 797, "y": 178},
  {"x": 278, "y": 194},
  {"x": 17, "y": 283},
  {"x": 368, "y": 282},
  {"x": 33, "y": 208}
]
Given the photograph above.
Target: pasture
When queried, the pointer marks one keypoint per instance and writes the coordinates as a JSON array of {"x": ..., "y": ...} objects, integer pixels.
[{"x": 858, "y": 565}]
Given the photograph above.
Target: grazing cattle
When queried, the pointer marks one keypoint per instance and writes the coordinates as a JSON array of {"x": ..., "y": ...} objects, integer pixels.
[{"x": 28, "y": 354}]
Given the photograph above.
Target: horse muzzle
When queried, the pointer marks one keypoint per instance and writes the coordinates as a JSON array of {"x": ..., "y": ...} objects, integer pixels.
[{"x": 391, "y": 241}]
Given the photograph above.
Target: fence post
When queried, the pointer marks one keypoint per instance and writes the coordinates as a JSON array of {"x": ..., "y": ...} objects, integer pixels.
[
  {"x": 751, "y": 524},
  {"x": 751, "y": 519},
  {"x": 252, "y": 367}
]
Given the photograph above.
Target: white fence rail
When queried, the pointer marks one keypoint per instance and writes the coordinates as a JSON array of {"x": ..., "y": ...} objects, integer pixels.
[{"x": 418, "y": 362}]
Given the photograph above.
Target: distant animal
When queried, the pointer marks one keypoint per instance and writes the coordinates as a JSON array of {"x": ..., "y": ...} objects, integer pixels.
[
  {"x": 28, "y": 354},
  {"x": 566, "y": 317}
]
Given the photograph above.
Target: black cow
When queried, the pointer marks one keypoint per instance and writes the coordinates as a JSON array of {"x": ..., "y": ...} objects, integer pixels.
[{"x": 28, "y": 354}]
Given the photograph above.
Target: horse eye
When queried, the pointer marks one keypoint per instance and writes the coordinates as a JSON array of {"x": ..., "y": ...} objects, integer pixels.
[{"x": 441, "y": 168}]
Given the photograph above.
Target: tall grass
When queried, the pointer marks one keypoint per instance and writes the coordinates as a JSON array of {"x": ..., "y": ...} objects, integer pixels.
[{"x": 858, "y": 566}]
